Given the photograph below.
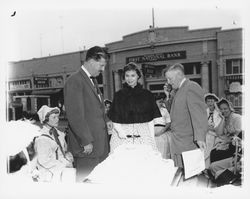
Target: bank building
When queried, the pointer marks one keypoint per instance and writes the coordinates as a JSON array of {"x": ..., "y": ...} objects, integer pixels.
[{"x": 212, "y": 57}]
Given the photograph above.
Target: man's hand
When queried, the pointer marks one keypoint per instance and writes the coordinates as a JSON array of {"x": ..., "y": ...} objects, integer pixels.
[
  {"x": 88, "y": 149},
  {"x": 110, "y": 125},
  {"x": 202, "y": 145}
]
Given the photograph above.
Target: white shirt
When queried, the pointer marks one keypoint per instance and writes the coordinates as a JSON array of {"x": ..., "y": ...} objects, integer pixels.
[{"x": 87, "y": 72}]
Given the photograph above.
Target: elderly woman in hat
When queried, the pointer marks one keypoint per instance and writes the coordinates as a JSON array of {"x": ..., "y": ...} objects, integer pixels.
[
  {"x": 215, "y": 124},
  {"x": 50, "y": 146},
  {"x": 224, "y": 147}
]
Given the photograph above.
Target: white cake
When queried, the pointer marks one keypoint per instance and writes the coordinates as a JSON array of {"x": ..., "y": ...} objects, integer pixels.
[{"x": 134, "y": 164}]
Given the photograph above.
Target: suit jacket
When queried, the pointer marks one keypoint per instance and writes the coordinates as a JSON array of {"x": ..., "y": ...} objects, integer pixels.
[
  {"x": 188, "y": 119},
  {"x": 86, "y": 116}
]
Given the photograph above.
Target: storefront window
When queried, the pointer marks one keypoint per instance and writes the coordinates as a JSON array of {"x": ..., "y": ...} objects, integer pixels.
[
  {"x": 192, "y": 68},
  {"x": 233, "y": 66},
  {"x": 156, "y": 87}
]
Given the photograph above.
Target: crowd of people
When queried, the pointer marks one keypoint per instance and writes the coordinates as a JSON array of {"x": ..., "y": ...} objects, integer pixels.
[{"x": 185, "y": 119}]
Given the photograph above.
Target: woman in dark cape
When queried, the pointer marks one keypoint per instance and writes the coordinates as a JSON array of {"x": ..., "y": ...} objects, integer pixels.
[{"x": 132, "y": 112}]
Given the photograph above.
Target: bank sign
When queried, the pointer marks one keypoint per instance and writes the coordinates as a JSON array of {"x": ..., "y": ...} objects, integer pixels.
[
  {"x": 157, "y": 57},
  {"x": 41, "y": 81}
]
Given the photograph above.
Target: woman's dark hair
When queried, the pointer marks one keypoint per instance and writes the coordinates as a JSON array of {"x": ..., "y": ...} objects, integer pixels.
[
  {"x": 224, "y": 101},
  {"x": 96, "y": 53},
  {"x": 131, "y": 66},
  {"x": 106, "y": 101},
  {"x": 56, "y": 111}
]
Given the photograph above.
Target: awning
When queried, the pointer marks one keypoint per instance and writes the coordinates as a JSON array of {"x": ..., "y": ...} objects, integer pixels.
[{"x": 46, "y": 91}]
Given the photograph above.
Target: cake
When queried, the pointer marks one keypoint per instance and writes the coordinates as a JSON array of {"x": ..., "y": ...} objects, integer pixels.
[{"x": 134, "y": 164}]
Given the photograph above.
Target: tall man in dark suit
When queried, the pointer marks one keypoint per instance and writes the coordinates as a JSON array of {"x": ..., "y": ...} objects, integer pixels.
[
  {"x": 88, "y": 138},
  {"x": 188, "y": 114}
]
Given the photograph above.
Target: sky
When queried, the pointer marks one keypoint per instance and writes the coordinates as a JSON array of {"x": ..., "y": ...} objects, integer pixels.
[{"x": 54, "y": 27}]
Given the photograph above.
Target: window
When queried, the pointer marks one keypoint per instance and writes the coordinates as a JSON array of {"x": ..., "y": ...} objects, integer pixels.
[
  {"x": 197, "y": 80},
  {"x": 192, "y": 68},
  {"x": 156, "y": 87},
  {"x": 233, "y": 66}
]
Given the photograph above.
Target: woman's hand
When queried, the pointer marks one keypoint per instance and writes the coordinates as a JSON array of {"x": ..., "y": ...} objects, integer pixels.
[
  {"x": 69, "y": 157},
  {"x": 211, "y": 127},
  {"x": 119, "y": 130},
  {"x": 121, "y": 134},
  {"x": 159, "y": 131},
  {"x": 222, "y": 146}
]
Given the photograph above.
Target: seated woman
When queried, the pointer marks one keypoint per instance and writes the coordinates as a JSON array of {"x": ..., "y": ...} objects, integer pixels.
[
  {"x": 232, "y": 164},
  {"x": 232, "y": 127},
  {"x": 215, "y": 124},
  {"x": 161, "y": 126},
  {"x": 50, "y": 147},
  {"x": 132, "y": 112}
]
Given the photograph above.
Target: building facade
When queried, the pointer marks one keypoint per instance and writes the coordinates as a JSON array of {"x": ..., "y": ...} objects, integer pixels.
[{"x": 212, "y": 57}]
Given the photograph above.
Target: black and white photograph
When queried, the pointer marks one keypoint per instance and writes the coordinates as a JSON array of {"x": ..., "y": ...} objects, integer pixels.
[{"x": 124, "y": 99}]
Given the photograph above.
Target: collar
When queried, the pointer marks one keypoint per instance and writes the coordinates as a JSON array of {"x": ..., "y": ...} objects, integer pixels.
[
  {"x": 47, "y": 128},
  {"x": 138, "y": 86},
  {"x": 86, "y": 71},
  {"x": 182, "y": 81}
]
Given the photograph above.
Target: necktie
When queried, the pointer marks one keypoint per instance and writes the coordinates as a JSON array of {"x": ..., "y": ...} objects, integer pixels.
[
  {"x": 53, "y": 132},
  {"x": 211, "y": 117},
  {"x": 96, "y": 86}
]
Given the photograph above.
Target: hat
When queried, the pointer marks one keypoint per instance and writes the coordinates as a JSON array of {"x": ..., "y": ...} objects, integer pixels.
[
  {"x": 44, "y": 110},
  {"x": 225, "y": 101},
  {"x": 211, "y": 96}
]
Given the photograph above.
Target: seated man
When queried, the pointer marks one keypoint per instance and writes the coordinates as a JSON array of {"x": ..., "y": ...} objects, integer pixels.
[{"x": 50, "y": 147}]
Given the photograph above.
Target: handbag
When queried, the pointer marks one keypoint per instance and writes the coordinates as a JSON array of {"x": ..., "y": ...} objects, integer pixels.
[{"x": 226, "y": 177}]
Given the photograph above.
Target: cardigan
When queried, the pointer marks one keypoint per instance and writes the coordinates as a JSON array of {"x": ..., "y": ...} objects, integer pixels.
[{"x": 133, "y": 105}]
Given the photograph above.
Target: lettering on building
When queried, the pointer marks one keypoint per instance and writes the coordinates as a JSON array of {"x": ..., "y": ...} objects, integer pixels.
[
  {"x": 19, "y": 85},
  {"x": 157, "y": 57},
  {"x": 48, "y": 82},
  {"x": 41, "y": 82}
]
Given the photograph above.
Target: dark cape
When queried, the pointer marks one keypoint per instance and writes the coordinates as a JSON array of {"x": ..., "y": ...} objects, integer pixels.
[{"x": 133, "y": 105}]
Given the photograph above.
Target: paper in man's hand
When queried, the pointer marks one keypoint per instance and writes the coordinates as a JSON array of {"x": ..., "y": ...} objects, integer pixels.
[{"x": 194, "y": 162}]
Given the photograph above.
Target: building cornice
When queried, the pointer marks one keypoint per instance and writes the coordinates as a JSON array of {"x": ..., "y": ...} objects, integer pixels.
[{"x": 150, "y": 45}]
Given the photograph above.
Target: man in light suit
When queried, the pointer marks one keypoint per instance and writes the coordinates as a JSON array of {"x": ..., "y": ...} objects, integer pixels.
[
  {"x": 188, "y": 115},
  {"x": 88, "y": 138}
]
